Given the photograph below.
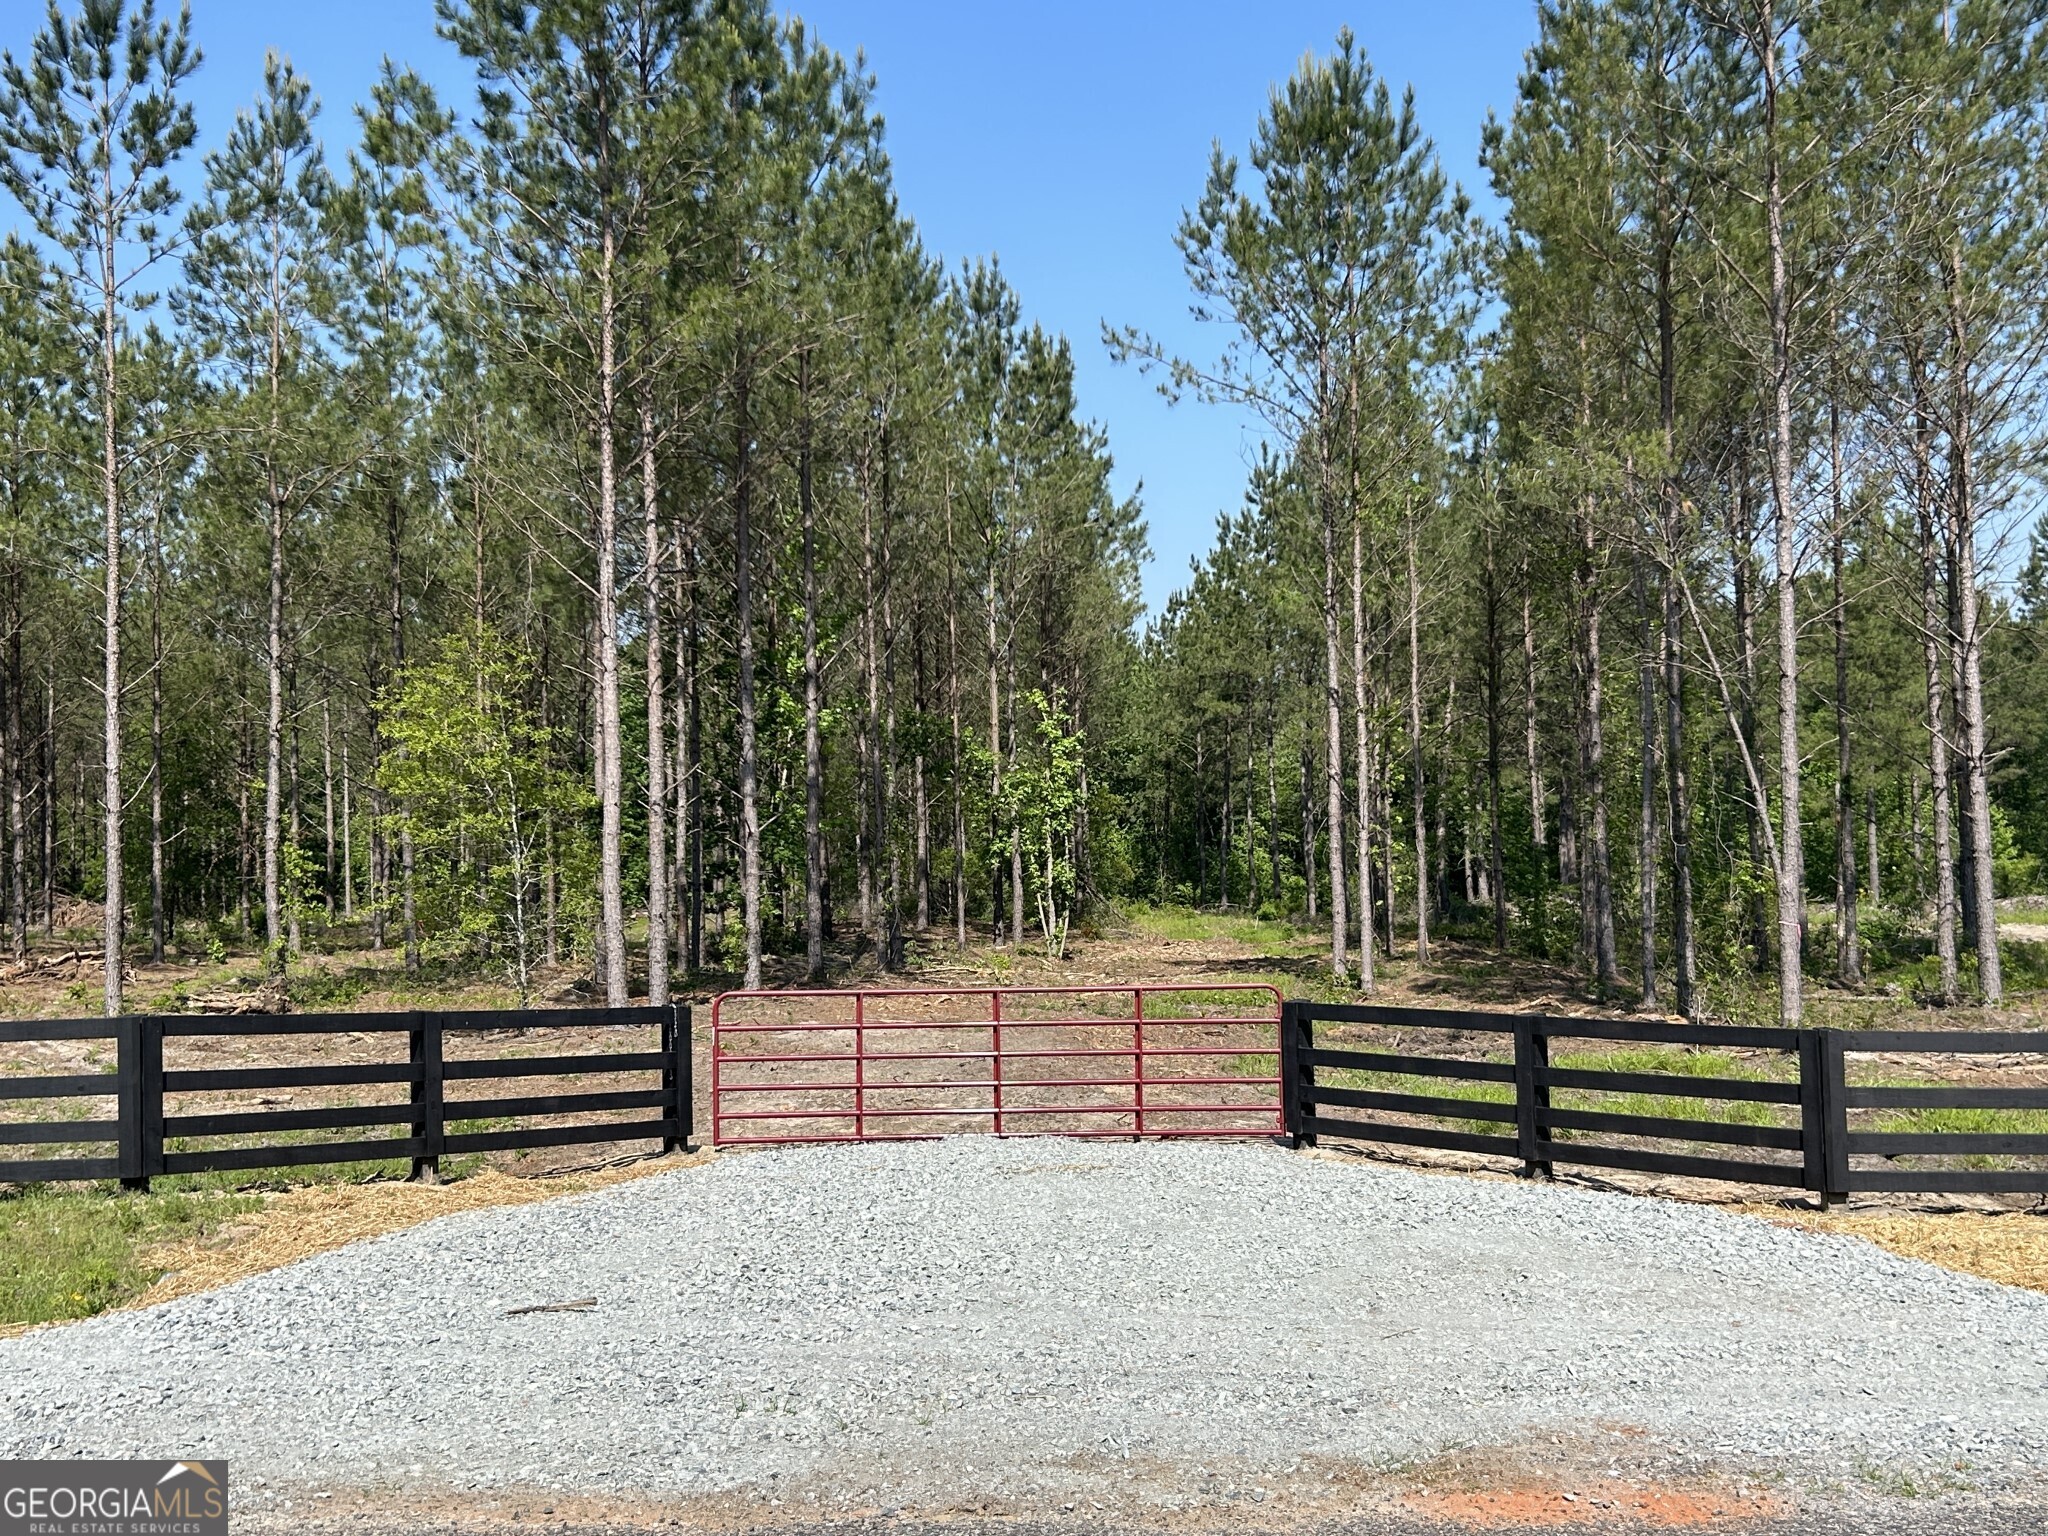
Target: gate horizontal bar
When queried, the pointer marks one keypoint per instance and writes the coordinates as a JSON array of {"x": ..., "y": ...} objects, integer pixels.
[
  {"x": 851, "y": 1073},
  {"x": 812, "y": 1026}
]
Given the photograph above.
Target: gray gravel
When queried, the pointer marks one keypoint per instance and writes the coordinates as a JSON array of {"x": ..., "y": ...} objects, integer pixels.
[{"x": 1019, "y": 1319}]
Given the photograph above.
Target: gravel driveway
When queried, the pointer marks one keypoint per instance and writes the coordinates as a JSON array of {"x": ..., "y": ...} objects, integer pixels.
[{"x": 1055, "y": 1321}]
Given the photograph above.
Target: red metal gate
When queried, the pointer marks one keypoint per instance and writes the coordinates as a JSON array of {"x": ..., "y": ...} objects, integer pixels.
[{"x": 888, "y": 1065}]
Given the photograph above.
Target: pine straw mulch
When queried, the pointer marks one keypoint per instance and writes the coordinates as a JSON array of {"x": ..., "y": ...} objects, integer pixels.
[
  {"x": 2009, "y": 1247},
  {"x": 299, "y": 1223}
]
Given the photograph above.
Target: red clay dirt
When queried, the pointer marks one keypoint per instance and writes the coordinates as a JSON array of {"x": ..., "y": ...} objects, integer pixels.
[{"x": 1656, "y": 1508}]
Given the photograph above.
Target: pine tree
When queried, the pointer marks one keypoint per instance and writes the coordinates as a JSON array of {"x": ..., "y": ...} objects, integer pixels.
[
  {"x": 88, "y": 126},
  {"x": 1338, "y": 270}
]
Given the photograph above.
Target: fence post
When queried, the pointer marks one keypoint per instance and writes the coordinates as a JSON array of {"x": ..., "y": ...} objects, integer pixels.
[
  {"x": 1532, "y": 1054},
  {"x": 139, "y": 1086},
  {"x": 1815, "y": 1137},
  {"x": 429, "y": 1121},
  {"x": 676, "y": 1077},
  {"x": 1835, "y": 1115},
  {"x": 1297, "y": 1075}
]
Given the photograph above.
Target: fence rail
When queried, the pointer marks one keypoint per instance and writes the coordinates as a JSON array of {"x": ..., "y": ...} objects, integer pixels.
[
  {"x": 1804, "y": 1124},
  {"x": 144, "y": 1136},
  {"x": 1829, "y": 1111}
]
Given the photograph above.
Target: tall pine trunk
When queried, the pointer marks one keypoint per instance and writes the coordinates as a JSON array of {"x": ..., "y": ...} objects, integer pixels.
[
  {"x": 1648, "y": 842},
  {"x": 1744, "y": 578},
  {"x": 17, "y": 773},
  {"x": 887, "y": 795},
  {"x": 1934, "y": 630},
  {"x": 657, "y": 735},
  {"x": 113, "y": 920},
  {"x": 327, "y": 802},
  {"x": 394, "y": 553},
  {"x": 1538, "y": 834},
  {"x": 1848, "y": 945},
  {"x": 921, "y": 807},
  {"x": 1333, "y": 722},
  {"x": 1684, "y": 944},
  {"x": 1416, "y": 786},
  {"x": 273, "y": 742},
  {"x": 604, "y": 533},
  {"x": 1791, "y": 870},
  {"x": 1010, "y": 703},
  {"x": 693, "y": 775},
  {"x": 1366, "y": 944},
  {"x": 348, "y": 830},
  {"x": 814, "y": 759},
  {"x": 1496, "y": 878},
  {"x": 156, "y": 733},
  {"x": 995, "y": 734},
  {"x": 1595, "y": 870},
  {"x": 958, "y": 761},
  {"x": 743, "y": 623},
  {"x": 681, "y": 809},
  {"x": 1969, "y": 649}
]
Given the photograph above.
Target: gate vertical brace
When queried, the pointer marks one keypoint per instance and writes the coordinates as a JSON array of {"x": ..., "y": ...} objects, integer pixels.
[
  {"x": 429, "y": 1123},
  {"x": 139, "y": 1086},
  {"x": 1138, "y": 1059},
  {"x": 1532, "y": 1096},
  {"x": 717, "y": 1103},
  {"x": 995, "y": 1015},
  {"x": 860, "y": 1067}
]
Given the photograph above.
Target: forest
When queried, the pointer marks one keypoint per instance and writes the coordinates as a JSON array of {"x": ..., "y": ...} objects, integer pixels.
[{"x": 584, "y": 526}]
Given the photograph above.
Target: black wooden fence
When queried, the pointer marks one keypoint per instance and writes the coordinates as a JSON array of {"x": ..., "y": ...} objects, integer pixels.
[
  {"x": 1806, "y": 1126},
  {"x": 144, "y": 1141}
]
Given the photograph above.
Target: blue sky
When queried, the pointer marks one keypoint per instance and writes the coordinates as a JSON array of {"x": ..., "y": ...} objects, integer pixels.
[{"x": 1064, "y": 136}]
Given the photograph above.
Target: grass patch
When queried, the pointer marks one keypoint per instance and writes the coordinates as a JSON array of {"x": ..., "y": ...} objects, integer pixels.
[
  {"x": 1673, "y": 1061},
  {"x": 1185, "y": 925},
  {"x": 1665, "y": 1060},
  {"x": 73, "y": 1253},
  {"x": 1957, "y": 1122},
  {"x": 1678, "y": 1062},
  {"x": 1224, "y": 1001},
  {"x": 1430, "y": 1087},
  {"x": 2025, "y": 964}
]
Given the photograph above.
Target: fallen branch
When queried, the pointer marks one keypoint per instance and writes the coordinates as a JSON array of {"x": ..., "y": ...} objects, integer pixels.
[
  {"x": 586, "y": 1304},
  {"x": 268, "y": 998}
]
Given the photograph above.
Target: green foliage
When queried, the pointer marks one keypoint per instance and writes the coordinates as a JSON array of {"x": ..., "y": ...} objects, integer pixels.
[
  {"x": 1041, "y": 804},
  {"x": 317, "y": 987},
  {"x": 491, "y": 814},
  {"x": 2014, "y": 872}
]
